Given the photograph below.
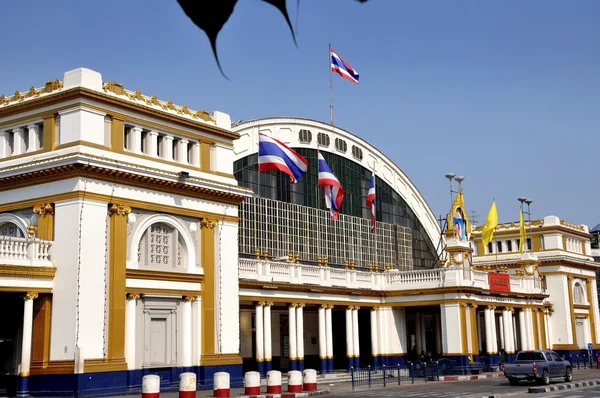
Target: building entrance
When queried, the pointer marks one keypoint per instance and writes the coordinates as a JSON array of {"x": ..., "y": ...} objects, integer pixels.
[{"x": 10, "y": 341}]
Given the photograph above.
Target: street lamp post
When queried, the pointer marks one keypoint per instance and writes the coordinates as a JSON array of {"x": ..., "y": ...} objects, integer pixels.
[{"x": 523, "y": 200}]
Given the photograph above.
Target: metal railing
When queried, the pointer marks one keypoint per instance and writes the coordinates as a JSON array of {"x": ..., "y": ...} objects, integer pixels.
[{"x": 384, "y": 375}]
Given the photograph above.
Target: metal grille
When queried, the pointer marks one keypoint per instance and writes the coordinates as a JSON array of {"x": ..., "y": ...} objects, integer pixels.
[{"x": 283, "y": 228}]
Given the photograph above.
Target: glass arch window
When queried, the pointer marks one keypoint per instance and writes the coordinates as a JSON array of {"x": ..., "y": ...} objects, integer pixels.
[
  {"x": 390, "y": 206},
  {"x": 162, "y": 246},
  {"x": 578, "y": 294},
  {"x": 10, "y": 229}
]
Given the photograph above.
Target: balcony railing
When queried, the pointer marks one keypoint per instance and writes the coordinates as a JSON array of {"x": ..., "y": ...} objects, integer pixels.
[
  {"x": 302, "y": 274},
  {"x": 24, "y": 251}
]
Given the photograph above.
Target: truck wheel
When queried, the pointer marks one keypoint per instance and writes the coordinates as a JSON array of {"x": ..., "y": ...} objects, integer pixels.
[
  {"x": 513, "y": 381},
  {"x": 569, "y": 375},
  {"x": 545, "y": 380}
]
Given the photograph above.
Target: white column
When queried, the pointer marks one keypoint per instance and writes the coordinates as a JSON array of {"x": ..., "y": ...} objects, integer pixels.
[
  {"x": 182, "y": 146},
  {"x": 418, "y": 332},
  {"x": 494, "y": 330},
  {"x": 329, "y": 331},
  {"x": 300, "y": 331},
  {"x": 548, "y": 329},
  {"x": 18, "y": 143},
  {"x": 292, "y": 332},
  {"x": 501, "y": 330},
  {"x": 186, "y": 331},
  {"x": 523, "y": 330},
  {"x": 135, "y": 139},
  {"x": 260, "y": 336},
  {"x": 322, "y": 333},
  {"x": 4, "y": 144},
  {"x": 130, "y": 306},
  {"x": 349, "y": 335},
  {"x": 152, "y": 144},
  {"x": 268, "y": 344},
  {"x": 356, "y": 347},
  {"x": 423, "y": 339},
  {"x": 489, "y": 335},
  {"x": 511, "y": 328},
  {"x": 438, "y": 334},
  {"x": 196, "y": 331},
  {"x": 506, "y": 330},
  {"x": 529, "y": 329},
  {"x": 167, "y": 147},
  {"x": 27, "y": 333},
  {"x": 195, "y": 155},
  {"x": 382, "y": 331},
  {"x": 33, "y": 137},
  {"x": 374, "y": 333}
]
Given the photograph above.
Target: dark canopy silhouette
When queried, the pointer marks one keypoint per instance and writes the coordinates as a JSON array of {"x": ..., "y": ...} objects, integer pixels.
[{"x": 211, "y": 16}]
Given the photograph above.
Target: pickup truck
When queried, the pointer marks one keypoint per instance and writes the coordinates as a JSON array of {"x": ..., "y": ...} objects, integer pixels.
[{"x": 538, "y": 365}]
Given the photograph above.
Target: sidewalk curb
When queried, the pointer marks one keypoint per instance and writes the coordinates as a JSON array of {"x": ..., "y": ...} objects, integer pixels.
[
  {"x": 471, "y": 377},
  {"x": 287, "y": 395},
  {"x": 562, "y": 387}
]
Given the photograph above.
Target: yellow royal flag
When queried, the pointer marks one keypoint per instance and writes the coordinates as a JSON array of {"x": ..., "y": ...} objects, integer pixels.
[
  {"x": 523, "y": 235},
  {"x": 491, "y": 222}
]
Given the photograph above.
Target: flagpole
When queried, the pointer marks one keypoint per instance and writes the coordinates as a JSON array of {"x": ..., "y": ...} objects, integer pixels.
[{"x": 330, "y": 88}]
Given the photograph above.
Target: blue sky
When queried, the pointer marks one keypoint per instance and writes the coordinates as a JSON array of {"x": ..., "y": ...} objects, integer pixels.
[{"x": 506, "y": 93}]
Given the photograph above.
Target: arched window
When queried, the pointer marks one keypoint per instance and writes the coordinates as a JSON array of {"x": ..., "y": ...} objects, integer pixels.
[
  {"x": 10, "y": 229},
  {"x": 578, "y": 294},
  {"x": 162, "y": 246}
]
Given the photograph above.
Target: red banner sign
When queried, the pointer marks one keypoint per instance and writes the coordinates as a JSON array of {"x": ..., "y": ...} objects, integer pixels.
[{"x": 499, "y": 282}]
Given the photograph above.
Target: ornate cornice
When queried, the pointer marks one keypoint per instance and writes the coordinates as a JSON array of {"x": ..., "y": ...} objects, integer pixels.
[
  {"x": 18, "y": 271},
  {"x": 33, "y": 92},
  {"x": 112, "y": 175}
]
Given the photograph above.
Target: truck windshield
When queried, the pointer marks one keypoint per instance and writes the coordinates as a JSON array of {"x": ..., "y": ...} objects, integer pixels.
[{"x": 530, "y": 356}]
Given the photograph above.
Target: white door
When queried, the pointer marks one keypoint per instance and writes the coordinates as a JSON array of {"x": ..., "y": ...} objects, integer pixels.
[{"x": 579, "y": 329}]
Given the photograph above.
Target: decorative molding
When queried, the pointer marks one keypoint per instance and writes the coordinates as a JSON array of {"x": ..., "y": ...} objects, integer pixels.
[
  {"x": 119, "y": 209},
  {"x": 208, "y": 223},
  {"x": 33, "y": 92},
  {"x": 118, "y": 89},
  {"x": 132, "y": 296},
  {"x": 19, "y": 271},
  {"x": 44, "y": 209},
  {"x": 189, "y": 299},
  {"x": 30, "y": 296}
]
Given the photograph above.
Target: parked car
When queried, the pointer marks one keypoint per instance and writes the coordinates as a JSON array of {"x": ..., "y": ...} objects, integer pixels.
[{"x": 538, "y": 365}]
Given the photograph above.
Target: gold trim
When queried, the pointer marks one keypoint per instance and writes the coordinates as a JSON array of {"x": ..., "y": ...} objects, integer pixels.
[
  {"x": 132, "y": 296},
  {"x": 172, "y": 292},
  {"x": 118, "y": 89},
  {"x": 40, "y": 347},
  {"x": 24, "y": 271},
  {"x": 542, "y": 317},
  {"x": 536, "y": 332},
  {"x": 52, "y": 367},
  {"x": 49, "y": 87},
  {"x": 571, "y": 309},
  {"x": 462, "y": 308},
  {"x": 474, "y": 337},
  {"x": 220, "y": 359},
  {"x": 105, "y": 198},
  {"x": 124, "y": 104},
  {"x": 45, "y": 225},
  {"x": 207, "y": 250},
  {"x": 152, "y": 275},
  {"x": 104, "y": 365},
  {"x": 112, "y": 175},
  {"x": 117, "y": 258},
  {"x": 591, "y": 318}
]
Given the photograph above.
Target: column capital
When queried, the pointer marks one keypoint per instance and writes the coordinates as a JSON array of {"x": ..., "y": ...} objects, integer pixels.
[
  {"x": 30, "y": 296},
  {"x": 588, "y": 281},
  {"x": 132, "y": 296},
  {"x": 44, "y": 209},
  {"x": 491, "y": 307},
  {"x": 189, "y": 299},
  {"x": 208, "y": 223},
  {"x": 261, "y": 303},
  {"x": 463, "y": 305},
  {"x": 569, "y": 278},
  {"x": 118, "y": 209},
  {"x": 267, "y": 303},
  {"x": 473, "y": 305},
  {"x": 137, "y": 129},
  {"x": 299, "y": 305}
]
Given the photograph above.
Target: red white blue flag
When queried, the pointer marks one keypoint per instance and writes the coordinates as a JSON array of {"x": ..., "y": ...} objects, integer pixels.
[
  {"x": 332, "y": 189},
  {"x": 342, "y": 68},
  {"x": 275, "y": 155},
  {"x": 371, "y": 201}
]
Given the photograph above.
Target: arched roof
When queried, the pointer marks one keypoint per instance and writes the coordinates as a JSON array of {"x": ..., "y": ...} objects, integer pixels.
[{"x": 287, "y": 129}]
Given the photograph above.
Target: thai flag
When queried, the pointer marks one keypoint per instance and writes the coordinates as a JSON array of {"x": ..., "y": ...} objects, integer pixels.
[
  {"x": 275, "y": 155},
  {"x": 342, "y": 68},
  {"x": 371, "y": 201},
  {"x": 332, "y": 189}
]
